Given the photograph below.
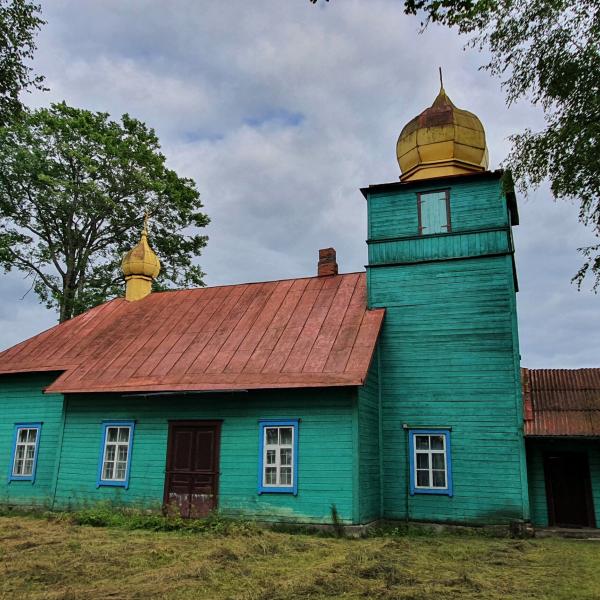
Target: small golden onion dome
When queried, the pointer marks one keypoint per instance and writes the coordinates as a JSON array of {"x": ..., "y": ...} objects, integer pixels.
[
  {"x": 141, "y": 260},
  {"x": 443, "y": 140}
]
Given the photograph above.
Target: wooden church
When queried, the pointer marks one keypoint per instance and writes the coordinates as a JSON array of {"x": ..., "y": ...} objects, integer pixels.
[{"x": 394, "y": 393}]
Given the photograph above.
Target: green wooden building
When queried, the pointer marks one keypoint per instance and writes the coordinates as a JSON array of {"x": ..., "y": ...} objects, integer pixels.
[{"x": 394, "y": 393}]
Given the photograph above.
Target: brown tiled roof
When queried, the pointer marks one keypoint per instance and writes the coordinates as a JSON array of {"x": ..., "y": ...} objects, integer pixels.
[
  {"x": 308, "y": 332},
  {"x": 561, "y": 402}
]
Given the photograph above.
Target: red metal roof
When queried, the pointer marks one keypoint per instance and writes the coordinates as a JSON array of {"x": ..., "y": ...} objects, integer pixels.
[
  {"x": 561, "y": 402},
  {"x": 308, "y": 332}
]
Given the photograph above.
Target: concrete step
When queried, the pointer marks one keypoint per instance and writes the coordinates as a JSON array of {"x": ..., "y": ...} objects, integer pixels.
[{"x": 580, "y": 533}]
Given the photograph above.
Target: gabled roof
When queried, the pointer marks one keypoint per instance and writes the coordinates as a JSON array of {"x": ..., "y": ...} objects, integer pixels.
[
  {"x": 561, "y": 402},
  {"x": 293, "y": 333}
]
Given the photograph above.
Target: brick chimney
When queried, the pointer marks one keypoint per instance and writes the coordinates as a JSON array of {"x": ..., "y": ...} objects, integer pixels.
[{"x": 327, "y": 263}]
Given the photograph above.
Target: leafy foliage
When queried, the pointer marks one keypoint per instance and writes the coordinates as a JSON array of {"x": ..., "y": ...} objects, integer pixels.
[
  {"x": 74, "y": 187},
  {"x": 547, "y": 51},
  {"x": 19, "y": 23}
]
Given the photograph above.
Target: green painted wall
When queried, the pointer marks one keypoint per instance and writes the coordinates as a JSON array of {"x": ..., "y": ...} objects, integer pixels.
[
  {"x": 449, "y": 351},
  {"x": 474, "y": 205},
  {"x": 325, "y": 462},
  {"x": 535, "y": 469},
  {"x": 369, "y": 459},
  {"x": 22, "y": 401}
]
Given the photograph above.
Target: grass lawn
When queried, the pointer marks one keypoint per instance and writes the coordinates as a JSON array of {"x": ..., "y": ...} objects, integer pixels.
[{"x": 55, "y": 558}]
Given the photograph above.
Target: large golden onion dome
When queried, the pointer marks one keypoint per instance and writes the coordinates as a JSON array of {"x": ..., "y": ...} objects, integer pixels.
[
  {"x": 443, "y": 140},
  {"x": 140, "y": 266}
]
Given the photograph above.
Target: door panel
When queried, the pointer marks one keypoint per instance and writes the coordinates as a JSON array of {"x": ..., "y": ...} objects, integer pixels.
[
  {"x": 192, "y": 478},
  {"x": 568, "y": 489}
]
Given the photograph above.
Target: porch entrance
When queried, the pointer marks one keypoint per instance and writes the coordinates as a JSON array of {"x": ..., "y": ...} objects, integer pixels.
[
  {"x": 569, "y": 489},
  {"x": 192, "y": 477}
]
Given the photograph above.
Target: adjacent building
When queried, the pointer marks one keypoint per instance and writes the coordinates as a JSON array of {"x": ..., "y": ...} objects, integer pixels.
[{"x": 394, "y": 393}]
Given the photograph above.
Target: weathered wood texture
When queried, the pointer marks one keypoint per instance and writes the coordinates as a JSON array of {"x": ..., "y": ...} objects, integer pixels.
[
  {"x": 478, "y": 206},
  {"x": 450, "y": 356},
  {"x": 535, "y": 470},
  {"x": 369, "y": 459},
  {"x": 22, "y": 401},
  {"x": 325, "y": 461}
]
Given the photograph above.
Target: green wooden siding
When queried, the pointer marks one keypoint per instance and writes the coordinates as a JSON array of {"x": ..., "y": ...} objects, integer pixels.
[
  {"x": 325, "y": 461},
  {"x": 473, "y": 205},
  {"x": 369, "y": 459},
  {"x": 439, "y": 247},
  {"x": 535, "y": 469},
  {"x": 449, "y": 352},
  {"x": 22, "y": 400}
]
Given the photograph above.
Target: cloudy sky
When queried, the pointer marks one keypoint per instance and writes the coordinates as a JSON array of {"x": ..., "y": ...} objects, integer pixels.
[{"x": 280, "y": 110}]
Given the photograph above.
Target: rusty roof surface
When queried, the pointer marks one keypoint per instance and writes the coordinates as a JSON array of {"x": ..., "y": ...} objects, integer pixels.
[
  {"x": 561, "y": 402},
  {"x": 309, "y": 332}
]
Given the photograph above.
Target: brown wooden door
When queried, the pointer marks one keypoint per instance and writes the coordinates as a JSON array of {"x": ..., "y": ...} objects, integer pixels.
[
  {"x": 568, "y": 489},
  {"x": 192, "y": 479}
]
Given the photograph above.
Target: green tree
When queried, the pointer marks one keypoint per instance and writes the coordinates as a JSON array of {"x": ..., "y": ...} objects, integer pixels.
[
  {"x": 19, "y": 24},
  {"x": 546, "y": 51},
  {"x": 74, "y": 187}
]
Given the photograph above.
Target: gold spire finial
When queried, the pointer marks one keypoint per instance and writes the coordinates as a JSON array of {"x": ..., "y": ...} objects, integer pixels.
[
  {"x": 140, "y": 266},
  {"x": 145, "y": 228}
]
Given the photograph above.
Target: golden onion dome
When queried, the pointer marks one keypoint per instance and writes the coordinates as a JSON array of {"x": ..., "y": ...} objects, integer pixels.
[
  {"x": 443, "y": 140},
  {"x": 141, "y": 260}
]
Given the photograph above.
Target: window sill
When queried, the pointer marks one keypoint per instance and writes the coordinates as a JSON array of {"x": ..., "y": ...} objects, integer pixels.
[
  {"x": 123, "y": 484},
  {"x": 17, "y": 478},
  {"x": 278, "y": 490},
  {"x": 444, "y": 492}
]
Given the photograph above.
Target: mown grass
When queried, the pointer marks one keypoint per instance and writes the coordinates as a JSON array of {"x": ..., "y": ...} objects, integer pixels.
[{"x": 59, "y": 558}]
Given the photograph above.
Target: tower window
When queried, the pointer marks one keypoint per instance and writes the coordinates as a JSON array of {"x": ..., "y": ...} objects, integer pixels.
[
  {"x": 434, "y": 212},
  {"x": 430, "y": 462}
]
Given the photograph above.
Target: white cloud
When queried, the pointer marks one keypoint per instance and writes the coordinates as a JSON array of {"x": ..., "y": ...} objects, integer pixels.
[{"x": 281, "y": 111}]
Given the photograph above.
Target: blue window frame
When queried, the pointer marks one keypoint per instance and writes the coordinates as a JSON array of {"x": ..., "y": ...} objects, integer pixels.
[
  {"x": 115, "y": 453},
  {"x": 430, "y": 459},
  {"x": 278, "y": 456},
  {"x": 24, "y": 455},
  {"x": 434, "y": 212}
]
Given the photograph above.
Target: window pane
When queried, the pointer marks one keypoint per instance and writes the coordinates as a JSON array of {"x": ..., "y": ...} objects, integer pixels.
[
  {"x": 110, "y": 452},
  {"x": 286, "y": 476},
  {"x": 437, "y": 442},
  {"x": 112, "y": 434},
  {"x": 122, "y": 453},
  {"x": 22, "y": 436},
  {"x": 423, "y": 478},
  {"x": 285, "y": 436},
  {"x": 438, "y": 461},
  {"x": 439, "y": 479},
  {"x": 271, "y": 476},
  {"x": 120, "y": 470},
  {"x": 30, "y": 452},
  {"x": 107, "y": 470},
  {"x": 18, "y": 470},
  {"x": 123, "y": 434},
  {"x": 31, "y": 436},
  {"x": 422, "y": 461},
  {"x": 20, "y": 454},
  {"x": 28, "y": 467},
  {"x": 272, "y": 436},
  {"x": 286, "y": 456},
  {"x": 271, "y": 456},
  {"x": 422, "y": 442}
]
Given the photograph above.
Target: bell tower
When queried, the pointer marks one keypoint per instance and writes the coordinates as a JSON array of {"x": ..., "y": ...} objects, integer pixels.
[{"x": 441, "y": 262}]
